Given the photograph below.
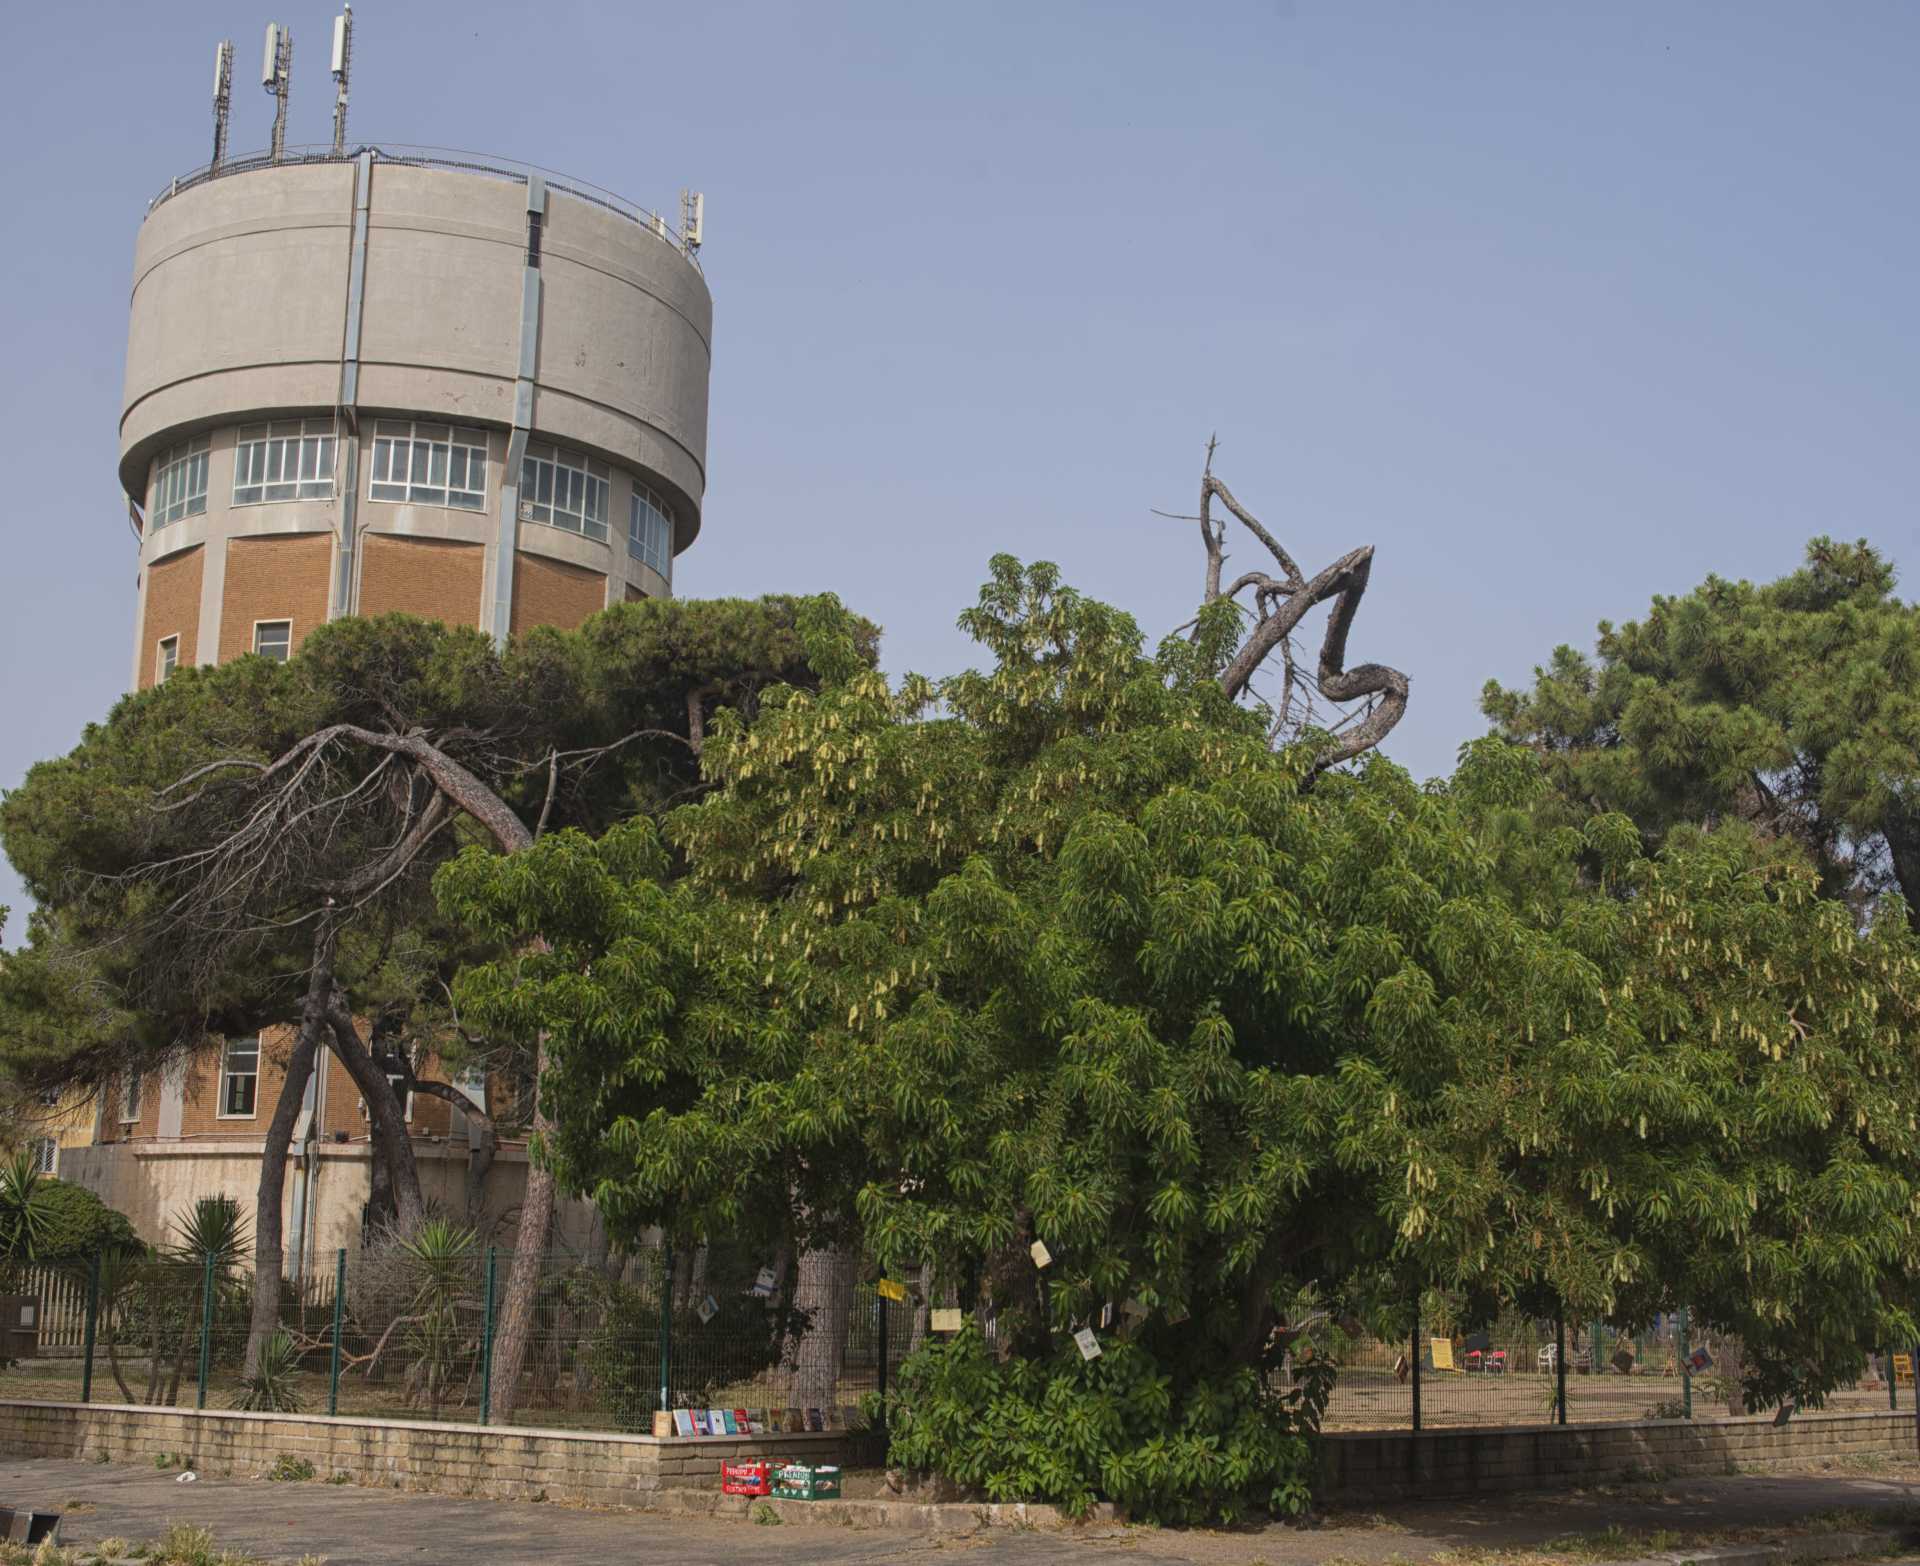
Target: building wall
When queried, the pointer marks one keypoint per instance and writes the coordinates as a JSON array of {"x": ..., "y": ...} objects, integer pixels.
[
  {"x": 170, "y": 606},
  {"x": 283, "y": 578},
  {"x": 435, "y": 578},
  {"x": 552, "y": 592}
]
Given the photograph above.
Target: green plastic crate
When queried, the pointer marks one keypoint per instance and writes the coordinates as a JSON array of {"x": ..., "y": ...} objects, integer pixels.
[{"x": 807, "y": 1482}]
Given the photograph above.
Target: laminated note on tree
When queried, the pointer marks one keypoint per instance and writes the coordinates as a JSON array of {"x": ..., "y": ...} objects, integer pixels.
[
  {"x": 763, "y": 1284},
  {"x": 945, "y": 1319},
  {"x": 1042, "y": 1257},
  {"x": 1087, "y": 1343},
  {"x": 707, "y": 1309}
]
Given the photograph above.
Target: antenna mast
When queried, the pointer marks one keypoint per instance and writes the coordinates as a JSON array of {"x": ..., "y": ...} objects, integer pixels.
[
  {"x": 276, "y": 69},
  {"x": 222, "y": 100},
  {"x": 342, "y": 63},
  {"x": 693, "y": 212}
]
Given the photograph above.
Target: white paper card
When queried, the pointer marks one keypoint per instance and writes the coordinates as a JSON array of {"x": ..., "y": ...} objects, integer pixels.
[
  {"x": 1087, "y": 1343},
  {"x": 1041, "y": 1255},
  {"x": 707, "y": 1309}
]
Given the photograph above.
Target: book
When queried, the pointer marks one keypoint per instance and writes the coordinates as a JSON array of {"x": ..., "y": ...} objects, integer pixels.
[
  {"x": 727, "y": 1421},
  {"x": 816, "y": 1420},
  {"x": 700, "y": 1422},
  {"x": 757, "y": 1421},
  {"x": 717, "y": 1421},
  {"x": 744, "y": 1420},
  {"x": 683, "y": 1422}
]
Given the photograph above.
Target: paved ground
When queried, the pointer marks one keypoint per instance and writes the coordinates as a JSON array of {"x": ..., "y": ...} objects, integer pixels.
[{"x": 350, "y": 1526}]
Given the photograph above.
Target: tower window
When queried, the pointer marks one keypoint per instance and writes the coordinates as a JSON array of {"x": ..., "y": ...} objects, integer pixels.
[
  {"x": 179, "y": 483},
  {"x": 429, "y": 465},
  {"x": 130, "y": 1099},
  {"x": 291, "y": 460},
  {"x": 564, "y": 489},
  {"x": 273, "y": 639},
  {"x": 240, "y": 1079},
  {"x": 650, "y": 531},
  {"x": 166, "y": 658}
]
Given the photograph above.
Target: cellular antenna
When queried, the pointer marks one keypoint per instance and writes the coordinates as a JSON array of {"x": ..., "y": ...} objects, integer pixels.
[
  {"x": 342, "y": 63},
  {"x": 693, "y": 214},
  {"x": 222, "y": 99},
  {"x": 276, "y": 69}
]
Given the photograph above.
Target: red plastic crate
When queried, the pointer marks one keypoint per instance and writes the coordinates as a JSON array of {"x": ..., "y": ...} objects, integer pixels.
[{"x": 746, "y": 1478}]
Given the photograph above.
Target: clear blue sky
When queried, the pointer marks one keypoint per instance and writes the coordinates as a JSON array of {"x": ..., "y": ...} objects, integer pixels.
[{"x": 1559, "y": 305}]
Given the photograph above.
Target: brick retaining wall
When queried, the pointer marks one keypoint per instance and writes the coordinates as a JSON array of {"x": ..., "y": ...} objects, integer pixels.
[
  {"x": 1391, "y": 1465},
  {"x": 513, "y": 1462},
  {"x": 508, "y": 1462}
]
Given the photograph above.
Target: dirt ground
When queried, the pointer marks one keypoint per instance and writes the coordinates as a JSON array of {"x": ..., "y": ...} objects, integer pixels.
[{"x": 374, "y": 1527}]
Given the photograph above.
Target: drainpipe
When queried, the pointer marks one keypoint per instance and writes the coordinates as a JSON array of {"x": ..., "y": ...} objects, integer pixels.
[{"x": 507, "y": 543}]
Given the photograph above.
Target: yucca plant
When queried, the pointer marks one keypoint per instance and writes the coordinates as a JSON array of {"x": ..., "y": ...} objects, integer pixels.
[
  {"x": 442, "y": 1255},
  {"x": 273, "y": 1387}
]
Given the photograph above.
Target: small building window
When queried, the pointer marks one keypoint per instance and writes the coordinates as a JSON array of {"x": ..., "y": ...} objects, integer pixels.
[
  {"x": 240, "y": 1079},
  {"x": 429, "y": 465},
  {"x": 292, "y": 460},
  {"x": 273, "y": 639},
  {"x": 179, "y": 483},
  {"x": 46, "y": 1155},
  {"x": 650, "y": 531},
  {"x": 166, "y": 657},
  {"x": 564, "y": 489},
  {"x": 401, "y": 1091},
  {"x": 130, "y": 1099}
]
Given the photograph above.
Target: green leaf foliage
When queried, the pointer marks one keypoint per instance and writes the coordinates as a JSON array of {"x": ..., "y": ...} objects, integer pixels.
[
  {"x": 1060, "y": 950},
  {"x": 1072, "y": 1432},
  {"x": 1790, "y": 705}
]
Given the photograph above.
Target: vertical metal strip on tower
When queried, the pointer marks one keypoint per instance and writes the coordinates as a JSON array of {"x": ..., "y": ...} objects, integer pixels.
[
  {"x": 349, "y": 459},
  {"x": 508, "y": 542}
]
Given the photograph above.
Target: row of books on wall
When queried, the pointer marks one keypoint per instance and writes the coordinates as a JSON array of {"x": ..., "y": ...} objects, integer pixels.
[{"x": 758, "y": 1421}]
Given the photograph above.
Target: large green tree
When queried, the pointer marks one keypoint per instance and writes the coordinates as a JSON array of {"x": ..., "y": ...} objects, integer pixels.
[
  {"x": 1789, "y": 705},
  {"x": 246, "y": 845},
  {"x": 1062, "y": 950}
]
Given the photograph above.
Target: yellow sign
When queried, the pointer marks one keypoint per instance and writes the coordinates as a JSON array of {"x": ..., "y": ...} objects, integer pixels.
[
  {"x": 945, "y": 1320},
  {"x": 889, "y": 1290},
  {"x": 1442, "y": 1351}
]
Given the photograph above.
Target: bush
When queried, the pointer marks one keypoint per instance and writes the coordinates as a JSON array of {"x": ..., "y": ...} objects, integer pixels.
[
  {"x": 78, "y": 1226},
  {"x": 620, "y": 1348},
  {"x": 1073, "y": 1432}
]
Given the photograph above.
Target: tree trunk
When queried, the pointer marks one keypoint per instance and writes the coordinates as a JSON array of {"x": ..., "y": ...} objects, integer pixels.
[
  {"x": 391, "y": 1144},
  {"x": 825, "y": 1293},
  {"x": 267, "y": 1259},
  {"x": 529, "y": 1252}
]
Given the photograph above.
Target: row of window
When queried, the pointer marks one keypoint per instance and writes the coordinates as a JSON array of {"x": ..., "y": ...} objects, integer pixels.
[
  {"x": 413, "y": 463},
  {"x": 240, "y": 1087},
  {"x": 271, "y": 639}
]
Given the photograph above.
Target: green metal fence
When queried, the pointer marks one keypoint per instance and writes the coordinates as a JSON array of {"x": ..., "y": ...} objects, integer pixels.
[
  {"x": 420, "y": 1331},
  {"x": 398, "y": 1332}
]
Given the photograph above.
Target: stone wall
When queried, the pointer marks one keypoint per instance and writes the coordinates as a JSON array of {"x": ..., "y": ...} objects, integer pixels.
[
  {"x": 1391, "y": 1465},
  {"x": 506, "y": 1462}
]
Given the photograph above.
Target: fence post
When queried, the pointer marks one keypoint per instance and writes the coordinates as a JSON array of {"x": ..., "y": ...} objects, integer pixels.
[
  {"x": 666, "y": 1323},
  {"x": 206, "y": 1332},
  {"x": 339, "y": 1323},
  {"x": 1686, "y": 1368},
  {"x": 1916, "y": 1395},
  {"x": 486, "y": 1346},
  {"x": 1416, "y": 1362},
  {"x": 93, "y": 1317},
  {"x": 1560, "y": 1367},
  {"x": 880, "y": 1339}
]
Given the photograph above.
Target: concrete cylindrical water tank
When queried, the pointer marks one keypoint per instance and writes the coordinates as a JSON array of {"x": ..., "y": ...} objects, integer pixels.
[{"x": 359, "y": 385}]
